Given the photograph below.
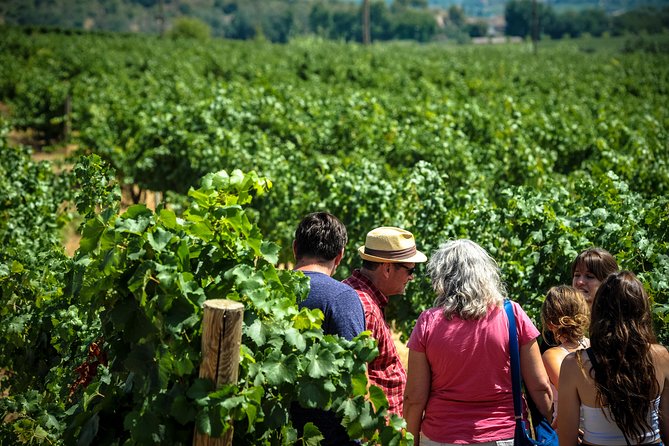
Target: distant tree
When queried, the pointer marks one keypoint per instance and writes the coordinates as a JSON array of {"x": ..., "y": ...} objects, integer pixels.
[
  {"x": 478, "y": 28},
  {"x": 456, "y": 15},
  {"x": 346, "y": 24},
  {"x": 243, "y": 24},
  {"x": 518, "y": 16},
  {"x": 320, "y": 19},
  {"x": 415, "y": 25},
  {"x": 381, "y": 21},
  {"x": 189, "y": 27},
  {"x": 562, "y": 25},
  {"x": 575, "y": 23},
  {"x": 399, "y": 5},
  {"x": 650, "y": 20},
  {"x": 402, "y": 5},
  {"x": 277, "y": 21}
]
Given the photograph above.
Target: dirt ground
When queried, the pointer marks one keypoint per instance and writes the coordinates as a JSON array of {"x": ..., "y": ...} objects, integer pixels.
[{"x": 401, "y": 349}]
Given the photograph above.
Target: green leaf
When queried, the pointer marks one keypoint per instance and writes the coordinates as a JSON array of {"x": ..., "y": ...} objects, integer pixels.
[
  {"x": 203, "y": 422},
  {"x": 378, "y": 398},
  {"x": 135, "y": 220},
  {"x": 201, "y": 388},
  {"x": 17, "y": 267},
  {"x": 90, "y": 236},
  {"x": 182, "y": 410},
  {"x": 141, "y": 359},
  {"x": 257, "y": 332},
  {"x": 288, "y": 436},
  {"x": 296, "y": 339},
  {"x": 359, "y": 382},
  {"x": 165, "y": 368},
  {"x": 168, "y": 218},
  {"x": 308, "y": 319},
  {"x": 270, "y": 252},
  {"x": 90, "y": 394},
  {"x": 251, "y": 412},
  {"x": 320, "y": 362},
  {"x": 203, "y": 231},
  {"x": 311, "y": 435},
  {"x": 350, "y": 408},
  {"x": 137, "y": 210},
  {"x": 89, "y": 430},
  {"x": 159, "y": 239},
  {"x": 311, "y": 394},
  {"x": 280, "y": 369}
]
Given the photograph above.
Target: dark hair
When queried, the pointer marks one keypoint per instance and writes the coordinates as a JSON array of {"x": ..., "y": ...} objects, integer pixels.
[
  {"x": 566, "y": 309},
  {"x": 320, "y": 235},
  {"x": 370, "y": 265},
  {"x": 621, "y": 335},
  {"x": 598, "y": 261}
]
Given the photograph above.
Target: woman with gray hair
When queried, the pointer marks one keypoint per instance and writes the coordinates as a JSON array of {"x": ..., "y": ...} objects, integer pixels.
[{"x": 458, "y": 384}]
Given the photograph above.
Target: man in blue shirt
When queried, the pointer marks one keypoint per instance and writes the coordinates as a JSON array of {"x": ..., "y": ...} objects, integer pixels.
[{"x": 319, "y": 244}]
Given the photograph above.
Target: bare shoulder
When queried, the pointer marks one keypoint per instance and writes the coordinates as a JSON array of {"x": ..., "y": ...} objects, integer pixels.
[
  {"x": 554, "y": 353},
  {"x": 660, "y": 353},
  {"x": 570, "y": 362}
]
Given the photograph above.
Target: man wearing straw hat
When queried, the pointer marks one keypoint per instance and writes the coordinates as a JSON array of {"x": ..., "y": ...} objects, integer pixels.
[
  {"x": 389, "y": 258},
  {"x": 319, "y": 247}
]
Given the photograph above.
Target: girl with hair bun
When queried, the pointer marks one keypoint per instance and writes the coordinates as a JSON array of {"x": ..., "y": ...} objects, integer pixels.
[
  {"x": 621, "y": 382},
  {"x": 566, "y": 316}
]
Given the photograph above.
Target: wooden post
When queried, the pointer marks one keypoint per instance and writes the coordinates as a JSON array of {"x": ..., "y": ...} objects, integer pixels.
[
  {"x": 67, "y": 119},
  {"x": 366, "y": 34},
  {"x": 221, "y": 341}
]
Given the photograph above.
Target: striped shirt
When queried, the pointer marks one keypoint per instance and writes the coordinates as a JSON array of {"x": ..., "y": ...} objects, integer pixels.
[{"x": 386, "y": 370}]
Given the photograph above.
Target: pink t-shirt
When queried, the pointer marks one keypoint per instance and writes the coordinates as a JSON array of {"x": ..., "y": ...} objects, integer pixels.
[{"x": 470, "y": 394}]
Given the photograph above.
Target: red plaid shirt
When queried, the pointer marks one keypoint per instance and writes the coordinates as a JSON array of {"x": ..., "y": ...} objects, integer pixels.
[{"x": 386, "y": 370}]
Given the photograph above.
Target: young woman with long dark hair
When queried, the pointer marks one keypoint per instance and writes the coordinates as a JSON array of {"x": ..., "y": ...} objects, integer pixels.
[{"x": 622, "y": 381}]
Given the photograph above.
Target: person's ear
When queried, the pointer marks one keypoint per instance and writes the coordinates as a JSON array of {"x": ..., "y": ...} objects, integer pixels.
[
  {"x": 386, "y": 269},
  {"x": 339, "y": 257}
]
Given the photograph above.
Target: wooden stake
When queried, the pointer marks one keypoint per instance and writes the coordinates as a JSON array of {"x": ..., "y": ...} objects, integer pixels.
[{"x": 221, "y": 341}]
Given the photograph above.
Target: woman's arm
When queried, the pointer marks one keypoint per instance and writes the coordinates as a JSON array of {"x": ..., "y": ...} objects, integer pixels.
[
  {"x": 569, "y": 403},
  {"x": 535, "y": 378},
  {"x": 417, "y": 392},
  {"x": 661, "y": 356},
  {"x": 552, "y": 359},
  {"x": 664, "y": 413}
]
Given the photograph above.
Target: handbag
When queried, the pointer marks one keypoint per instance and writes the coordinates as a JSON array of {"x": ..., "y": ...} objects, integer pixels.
[{"x": 544, "y": 433}]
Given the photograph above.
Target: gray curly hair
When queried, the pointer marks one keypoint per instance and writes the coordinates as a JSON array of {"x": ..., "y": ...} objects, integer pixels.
[{"x": 466, "y": 279}]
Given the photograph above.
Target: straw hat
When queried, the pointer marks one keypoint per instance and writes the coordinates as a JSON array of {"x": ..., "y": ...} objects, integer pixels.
[{"x": 389, "y": 244}]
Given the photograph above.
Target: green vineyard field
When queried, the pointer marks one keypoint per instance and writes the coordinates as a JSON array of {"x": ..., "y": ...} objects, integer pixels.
[{"x": 535, "y": 156}]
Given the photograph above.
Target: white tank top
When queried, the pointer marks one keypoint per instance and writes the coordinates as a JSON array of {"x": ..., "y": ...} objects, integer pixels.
[{"x": 601, "y": 430}]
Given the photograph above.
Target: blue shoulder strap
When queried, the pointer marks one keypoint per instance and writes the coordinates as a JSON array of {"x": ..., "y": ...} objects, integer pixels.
[{"x": 515, "y": 358}]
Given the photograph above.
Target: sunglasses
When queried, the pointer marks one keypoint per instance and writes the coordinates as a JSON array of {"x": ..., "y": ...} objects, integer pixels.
[{"x": 410, "y": 271}]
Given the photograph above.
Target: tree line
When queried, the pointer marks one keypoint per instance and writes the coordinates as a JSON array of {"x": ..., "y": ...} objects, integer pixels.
[
  {"x": 525, "y": 18},
  {"x": 280, "y": 20}
]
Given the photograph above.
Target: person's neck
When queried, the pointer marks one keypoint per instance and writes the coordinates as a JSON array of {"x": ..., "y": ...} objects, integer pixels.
[
  {"x": 572, "y": 344},
  {"x": 316, "y": 266},
  {"x": 369, "y": 274},
  {"x": 373, "y": 276}
]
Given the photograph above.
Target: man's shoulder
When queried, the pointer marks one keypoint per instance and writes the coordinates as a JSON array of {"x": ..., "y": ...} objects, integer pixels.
[
  {"x": 325, "y": 284},
  {"x": 357, "y": 284}
]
